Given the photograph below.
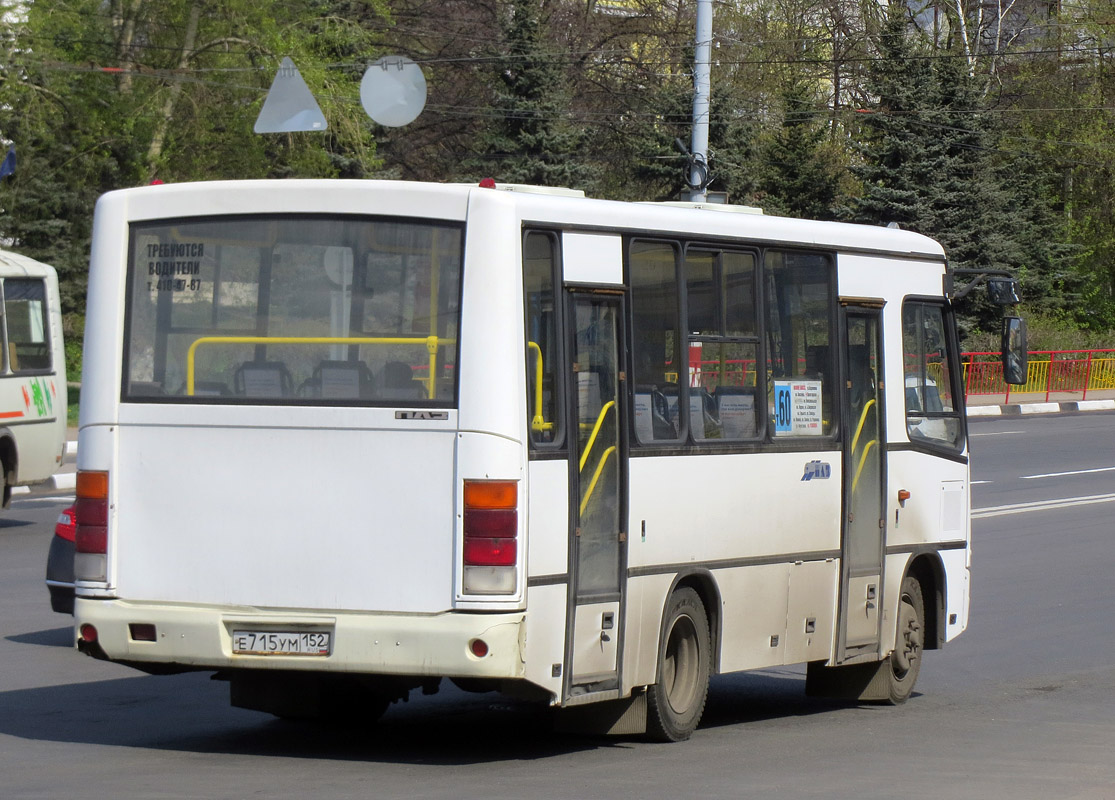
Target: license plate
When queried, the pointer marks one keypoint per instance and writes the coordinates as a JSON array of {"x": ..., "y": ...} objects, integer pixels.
[{"x": 281, "y": 643}]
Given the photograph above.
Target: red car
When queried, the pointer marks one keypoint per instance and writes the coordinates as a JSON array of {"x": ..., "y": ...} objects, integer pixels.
[{"x": 60, "y": 564}]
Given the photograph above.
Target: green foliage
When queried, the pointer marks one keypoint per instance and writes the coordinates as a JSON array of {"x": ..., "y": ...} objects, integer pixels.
[
  {"x": 930, "y": 164},
  {"x": 801, "y": 170},
  {"x": 96, "y": 101},
  {"x": 533, "y": 140},
  {"x": 1044, "y": 331},
  {"x": 73, "y": 329},
  {"x": 1001, "y": 148}
]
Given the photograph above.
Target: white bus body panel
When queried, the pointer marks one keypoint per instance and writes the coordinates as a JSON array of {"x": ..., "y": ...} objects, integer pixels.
[
  {"x": 237, "y": 518},
  {"x": 751, "y": 545}
]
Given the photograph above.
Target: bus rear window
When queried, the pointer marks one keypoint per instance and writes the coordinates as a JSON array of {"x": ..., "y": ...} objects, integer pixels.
[{"x": 293, "y": 309}]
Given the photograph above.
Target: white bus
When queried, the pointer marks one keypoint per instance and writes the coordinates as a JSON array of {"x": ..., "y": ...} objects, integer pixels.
[
  {"x": 32, "y": 373},
  {"x": 343, "y": 439}
]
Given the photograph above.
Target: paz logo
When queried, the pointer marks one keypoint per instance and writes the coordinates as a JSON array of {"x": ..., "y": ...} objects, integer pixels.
[{"x": 816, "y": 469}]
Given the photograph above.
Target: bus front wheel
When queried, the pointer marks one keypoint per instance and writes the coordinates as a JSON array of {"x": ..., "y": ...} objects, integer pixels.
[
  {"x": 904, "y": 663},
  {"x": 676, "y": 700}
]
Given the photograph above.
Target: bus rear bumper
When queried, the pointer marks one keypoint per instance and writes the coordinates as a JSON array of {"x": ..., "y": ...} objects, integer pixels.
[{"x": 202, "y": 637}]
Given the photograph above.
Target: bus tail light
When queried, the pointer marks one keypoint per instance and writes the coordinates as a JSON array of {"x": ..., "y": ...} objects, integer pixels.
[
  {"x": 491, "y": 530},
  {"x": 91, "y": 530}
]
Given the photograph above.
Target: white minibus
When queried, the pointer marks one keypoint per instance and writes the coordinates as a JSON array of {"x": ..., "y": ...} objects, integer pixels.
[
  {"x": 32, "y": 373},
  {"x": 340, "y": 440}
]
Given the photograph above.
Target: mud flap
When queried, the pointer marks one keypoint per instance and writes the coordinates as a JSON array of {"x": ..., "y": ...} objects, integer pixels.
[
  {"x": 863, "y": 682},
  {"x": 624, "y": 717}
]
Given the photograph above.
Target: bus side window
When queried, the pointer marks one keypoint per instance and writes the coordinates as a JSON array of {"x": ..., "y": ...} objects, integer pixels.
[
  {"x": 653, "y": 269},
  {"x": 723, "y": 340},
  {"x": 799, "y": 311},
  {"x": 544, "y": 406},
  {"x": 25, "y": 317},
  {"x": 928, "y": 378}
]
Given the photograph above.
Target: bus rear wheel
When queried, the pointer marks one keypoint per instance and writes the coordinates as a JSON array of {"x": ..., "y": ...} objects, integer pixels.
[{"x": 676, "y": 701}]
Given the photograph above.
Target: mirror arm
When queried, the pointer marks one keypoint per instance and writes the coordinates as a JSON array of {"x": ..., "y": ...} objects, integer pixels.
[{"x": 980, "y": 277}]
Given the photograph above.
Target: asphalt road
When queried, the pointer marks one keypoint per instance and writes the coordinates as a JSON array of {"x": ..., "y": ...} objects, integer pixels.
[{"x": 1021, "y": 706}]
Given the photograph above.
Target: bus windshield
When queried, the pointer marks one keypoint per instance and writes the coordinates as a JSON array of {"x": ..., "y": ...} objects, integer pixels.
[{"x": 293, "y": 309}]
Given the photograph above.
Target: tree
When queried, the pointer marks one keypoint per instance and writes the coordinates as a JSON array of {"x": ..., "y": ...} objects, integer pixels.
[
  {"x": 533, "y": 138},
  {"x": 801, "y": 170},
  {"x": 102, "y": 96}
]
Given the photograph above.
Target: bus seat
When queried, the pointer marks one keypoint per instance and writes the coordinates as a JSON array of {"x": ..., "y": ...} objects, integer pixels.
[
  {"x": 816, "y": 359},
  {"x": 397, "y": 382},
  {"x": 704, "y": 417},
  {"x": 342, "y": 380},
  {"x": 653, "y": 417},
  {"x": 210, "y": 389},
  {"x": 263, "y": 379},
  {"x": 736, "y": 407}
]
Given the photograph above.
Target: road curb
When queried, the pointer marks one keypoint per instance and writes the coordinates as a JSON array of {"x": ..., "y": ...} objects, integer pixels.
[
  {"x": 1020, "y": 409},
  {"x": 62, "y": 481}
]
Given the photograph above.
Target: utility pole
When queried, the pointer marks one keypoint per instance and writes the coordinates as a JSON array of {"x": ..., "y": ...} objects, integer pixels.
[{"x": 698, "y": 159}]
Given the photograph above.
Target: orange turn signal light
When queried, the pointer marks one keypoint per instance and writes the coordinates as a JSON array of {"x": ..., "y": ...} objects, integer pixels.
[
  {"x": 491, "y": 494},
  {"x": 92, "y": 485}
]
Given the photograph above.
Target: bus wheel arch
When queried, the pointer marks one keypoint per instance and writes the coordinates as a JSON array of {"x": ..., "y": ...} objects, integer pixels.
[
  {"x": 676, "y": 700},
  {"x": 929, "y": 572}
]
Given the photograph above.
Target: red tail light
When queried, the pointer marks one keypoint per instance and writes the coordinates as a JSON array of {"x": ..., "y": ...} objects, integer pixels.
[
  {"x": 91, "y": 513},
  {"x": 490, "y": 552},
  {"x": 64, "y": 528},
  {"x": 491, "y": 523},
  {"x": 491, "y": 544}
]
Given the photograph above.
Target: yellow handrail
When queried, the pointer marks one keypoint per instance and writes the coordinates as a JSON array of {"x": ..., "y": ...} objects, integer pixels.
[
  {"x": 595, "y": 430},
  {"x": 538, "y": 423},
  {"x": 596, "y": 476},
  {"x": 863, "y": 457},
  {"x": 432, "y": 343},
  {"x": 862, "y": 419}
]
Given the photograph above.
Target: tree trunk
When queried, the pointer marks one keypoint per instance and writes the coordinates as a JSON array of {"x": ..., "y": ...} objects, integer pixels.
[
  {"x": 155, "y": 151},
  {"x": 125, "y": 59}
]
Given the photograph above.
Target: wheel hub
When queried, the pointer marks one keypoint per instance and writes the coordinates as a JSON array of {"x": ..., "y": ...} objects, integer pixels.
[{"x": 909, "y": 649}]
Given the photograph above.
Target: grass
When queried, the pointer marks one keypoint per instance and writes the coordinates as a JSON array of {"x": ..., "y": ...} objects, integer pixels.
[{"x": 73, "y": 395}]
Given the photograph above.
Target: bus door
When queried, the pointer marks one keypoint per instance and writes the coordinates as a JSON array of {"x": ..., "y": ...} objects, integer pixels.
[
  {"x": 598, "y": 496},
  {"x": 864, "y": 485}
]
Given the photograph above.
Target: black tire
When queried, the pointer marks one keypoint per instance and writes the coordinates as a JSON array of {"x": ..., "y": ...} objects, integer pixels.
[
  {"x": 904, "y": 663},
  {"x": 676, "y": 701}
]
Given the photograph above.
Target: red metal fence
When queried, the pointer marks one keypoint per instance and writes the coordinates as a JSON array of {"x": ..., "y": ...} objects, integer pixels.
[{"x": 1050, "y": 373}]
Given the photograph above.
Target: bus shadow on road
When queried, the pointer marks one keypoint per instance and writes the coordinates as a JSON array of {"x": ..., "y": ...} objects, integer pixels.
[
  {"x": 52, "y": 637},
  {"x": 190, "y": 713},
  {"x": 747, "y": 697}
]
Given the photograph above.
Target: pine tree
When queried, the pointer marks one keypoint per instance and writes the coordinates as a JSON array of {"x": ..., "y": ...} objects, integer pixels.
[
  {"x": 891, "y": 146},
  {"x": 800, "y": 172},
  {"x": 532, "y": 140}
]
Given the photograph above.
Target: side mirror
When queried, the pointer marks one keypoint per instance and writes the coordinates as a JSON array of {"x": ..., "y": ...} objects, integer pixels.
[
  {"x": 1014, "y": 350},
  {"x": 1003, "y": 291}
]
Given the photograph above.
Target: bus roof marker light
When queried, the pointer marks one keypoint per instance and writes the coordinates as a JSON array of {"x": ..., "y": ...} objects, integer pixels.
[{"x": 487, "y": 183}]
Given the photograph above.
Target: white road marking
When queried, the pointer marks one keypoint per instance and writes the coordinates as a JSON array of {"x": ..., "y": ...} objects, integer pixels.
[
  {"x": 975, "y": 483},
  {"x": 1073, "y": 472},
  {"x": 56, "y": 498},
  {"x": 995, "y": 433},
  {"x": 1041, "y": 505}
]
